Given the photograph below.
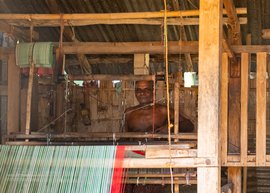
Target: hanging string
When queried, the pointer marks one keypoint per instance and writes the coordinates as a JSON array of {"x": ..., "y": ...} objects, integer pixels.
[{"x": 167, "y": 88}]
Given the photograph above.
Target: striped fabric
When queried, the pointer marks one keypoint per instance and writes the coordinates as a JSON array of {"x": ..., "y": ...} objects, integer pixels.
[{"x": 41, "y": 52}]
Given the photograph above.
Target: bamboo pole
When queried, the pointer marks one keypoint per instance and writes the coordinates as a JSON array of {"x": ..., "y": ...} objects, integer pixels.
[
  {"x": 30, "y": 89},
  {"x": 109, "y": 16}
]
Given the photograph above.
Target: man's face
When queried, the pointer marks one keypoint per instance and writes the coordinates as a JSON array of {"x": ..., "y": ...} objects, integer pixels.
[{"x": 144, "y": 91}]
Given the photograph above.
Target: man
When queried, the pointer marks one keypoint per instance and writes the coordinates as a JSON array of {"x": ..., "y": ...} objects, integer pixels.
[{"x": 140, "y": 118}]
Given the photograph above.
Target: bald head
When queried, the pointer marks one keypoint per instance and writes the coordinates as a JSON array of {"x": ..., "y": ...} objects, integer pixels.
[{"x": 144, "y": 91}]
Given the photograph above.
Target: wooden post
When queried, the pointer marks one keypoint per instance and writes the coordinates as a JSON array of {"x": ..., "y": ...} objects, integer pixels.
[
  {"x": 30, "y": 89},
  {"x": 29, "y": 97},
  {"x": 244, "y": 106},
  {"x": 13, "y": 95},
  {"x": 234, "y": 176},
  {"x": 224, "y": 107},
  {"x": 176, "y": 188},
  {"x": 176, "y": 105},
  {"x": 261, "y": 109},
  {"x": 208, "y": 104},
  {"x": 141, "y": 64}
]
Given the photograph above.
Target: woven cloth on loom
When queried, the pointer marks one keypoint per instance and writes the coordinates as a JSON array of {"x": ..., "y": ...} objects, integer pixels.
[
  {"x": 41, "y": 52},
  {"x": 59, "y": 169}
]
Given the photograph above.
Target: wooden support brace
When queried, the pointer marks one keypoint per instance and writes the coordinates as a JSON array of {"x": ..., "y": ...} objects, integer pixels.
[
  {"x": 224, "y": 107},
  {"x": 261, "y": 109},
  {"x": 244, "y": 106}
]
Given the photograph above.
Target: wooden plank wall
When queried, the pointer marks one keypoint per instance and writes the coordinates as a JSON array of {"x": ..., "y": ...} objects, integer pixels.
[{"x": 254, "y": 109}]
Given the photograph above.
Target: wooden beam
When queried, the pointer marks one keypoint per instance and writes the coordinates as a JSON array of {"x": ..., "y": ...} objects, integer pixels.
[
  {"x": 166, "y": 153},
  {"x": 167, "y": 163},
  {"x": 175, "y": 47},
  {"x": 209, "y": 178},
  {"x": 141, "y": 47},
  {"x": 130, "y": 47},
  {"x": 251, "y": 48},
  {"x": 111, "y": 16},
  {"x": 97, "y": 18},
  {"x": 157, "y": 21},
  {"x": 234, "y": 31},
  {"x": 13, "y": 95}
]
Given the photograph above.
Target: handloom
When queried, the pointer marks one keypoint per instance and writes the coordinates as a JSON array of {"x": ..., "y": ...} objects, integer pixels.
[{"x": 95, "y": 169}]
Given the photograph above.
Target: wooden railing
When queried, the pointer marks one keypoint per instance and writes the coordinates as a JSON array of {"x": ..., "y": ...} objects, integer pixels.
[{"x": 243, "y": 157}]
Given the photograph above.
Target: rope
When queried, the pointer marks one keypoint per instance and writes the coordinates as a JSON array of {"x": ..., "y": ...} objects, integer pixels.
[{"x": 167, "y": 89}]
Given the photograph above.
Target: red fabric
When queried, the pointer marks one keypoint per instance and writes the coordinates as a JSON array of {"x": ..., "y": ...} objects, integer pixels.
[
  {"x": 39, "y": 71},
  {"x": 118, "y": 170},
  {"x": 139, "y": 152}
]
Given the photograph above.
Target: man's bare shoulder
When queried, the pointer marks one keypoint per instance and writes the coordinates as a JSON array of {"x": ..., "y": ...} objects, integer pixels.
[{"x": 131, "y": 109}]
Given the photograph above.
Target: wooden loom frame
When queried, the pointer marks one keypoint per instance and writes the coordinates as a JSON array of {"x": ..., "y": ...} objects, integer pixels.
[{"x": 210, "y": 157}]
